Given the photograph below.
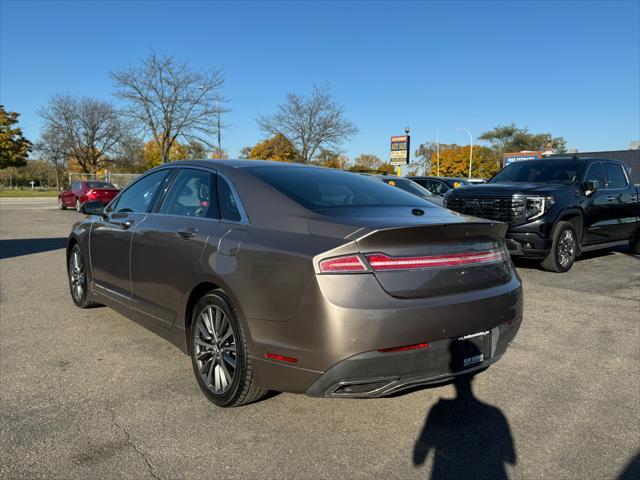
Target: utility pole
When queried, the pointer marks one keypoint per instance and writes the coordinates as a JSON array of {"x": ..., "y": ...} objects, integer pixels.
[
  {"x": 470, "y": 150},
  {"x": 218, "y": 118},
  {"x": 438, "y": 150}
]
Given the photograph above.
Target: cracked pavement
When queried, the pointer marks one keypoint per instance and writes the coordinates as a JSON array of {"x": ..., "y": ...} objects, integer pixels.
[{"x": 90, "y": 394}]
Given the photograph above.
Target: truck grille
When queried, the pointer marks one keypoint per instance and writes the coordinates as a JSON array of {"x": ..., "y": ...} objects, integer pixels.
[{"x": 503, "y": 209}]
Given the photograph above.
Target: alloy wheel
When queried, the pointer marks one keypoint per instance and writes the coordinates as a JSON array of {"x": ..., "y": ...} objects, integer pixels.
[
  {"x": 215, "y": 349},
  {"x": 77, "y": 276},
  {"x": 566, "y": 248}
]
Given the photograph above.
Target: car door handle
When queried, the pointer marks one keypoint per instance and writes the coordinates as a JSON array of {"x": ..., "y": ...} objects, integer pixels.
[
  {"x": 610, "y": 199},
  {"x": 187, "y": 232}
]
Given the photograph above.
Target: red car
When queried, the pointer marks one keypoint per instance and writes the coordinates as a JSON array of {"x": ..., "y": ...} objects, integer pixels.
[{"x": 81, "y": 192}]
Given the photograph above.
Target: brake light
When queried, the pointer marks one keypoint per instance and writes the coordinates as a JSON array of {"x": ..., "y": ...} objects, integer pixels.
[
  {"x": 380, "y": 261},
  {"x": 349, "y": 263},
  {"x": 91, "y": 194},
  {"x": 406, "y": 347}
]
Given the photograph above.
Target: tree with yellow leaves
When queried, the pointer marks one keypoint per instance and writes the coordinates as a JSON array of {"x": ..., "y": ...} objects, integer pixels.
[
  {"x": 277, "y": 148},
  {"x": 153, "y": 157},
  {"x": 454, "y": 161}
]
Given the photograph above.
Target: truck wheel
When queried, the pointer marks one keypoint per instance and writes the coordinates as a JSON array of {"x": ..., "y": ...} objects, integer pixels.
[
  {"x": 563, "y": 250},
  {"x": 634, "y": 245}
]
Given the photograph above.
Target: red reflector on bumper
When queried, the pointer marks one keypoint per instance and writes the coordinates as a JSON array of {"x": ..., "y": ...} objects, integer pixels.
[
  {"x": 406, "y": 347},
  {"x": 282, "y": 358}
]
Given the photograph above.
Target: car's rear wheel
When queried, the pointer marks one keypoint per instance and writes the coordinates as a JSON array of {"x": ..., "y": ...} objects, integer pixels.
[
  {"x": 78, "y": 205},
  {"x": 564, "y": 249},
  {"x": 61, "y": 204},
  {"x": 79, "y": 278},
  {"x": 634, "y": 245},
  {"x": 219, "y": 354}
]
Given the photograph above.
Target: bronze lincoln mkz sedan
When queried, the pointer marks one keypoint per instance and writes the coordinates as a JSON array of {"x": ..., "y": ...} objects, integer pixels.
[{"x": 296, "y": 278}]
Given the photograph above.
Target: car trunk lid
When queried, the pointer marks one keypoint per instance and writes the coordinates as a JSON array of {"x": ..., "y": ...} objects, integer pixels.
[{"x": 428, "y": 260}]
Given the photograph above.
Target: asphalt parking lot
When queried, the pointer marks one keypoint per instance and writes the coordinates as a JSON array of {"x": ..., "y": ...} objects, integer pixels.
[{"x": 90, "y": 394}]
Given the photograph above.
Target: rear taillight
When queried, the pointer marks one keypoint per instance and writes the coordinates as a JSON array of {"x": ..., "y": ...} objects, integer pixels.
[
  {"x": 91, "y": 194},
  {"x": 349, "y": 263},
  {"x": 380, "y": 261}
]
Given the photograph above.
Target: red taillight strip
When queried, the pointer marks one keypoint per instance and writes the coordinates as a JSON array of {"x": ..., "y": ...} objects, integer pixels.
[
  {"x": 380, "y": 261},
  {"x": 350, "y": 263},
  {"x": 402, "y": 349},
  {"x": 275, "y": 356}
]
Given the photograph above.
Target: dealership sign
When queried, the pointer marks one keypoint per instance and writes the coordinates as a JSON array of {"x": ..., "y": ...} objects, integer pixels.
[
  {"x": 510, "y": 158},
  {"x": 400, "y": 150}
]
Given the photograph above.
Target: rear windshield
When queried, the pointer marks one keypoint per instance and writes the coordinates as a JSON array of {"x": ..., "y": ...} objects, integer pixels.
[
  {"x": 319, "y": 188},
  {"x": 99, "y": 185},
  {"x": 561, "y": 172},
  {"x": 409, "y": 186}
]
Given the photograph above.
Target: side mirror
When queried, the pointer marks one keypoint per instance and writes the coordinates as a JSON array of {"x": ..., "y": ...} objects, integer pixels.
[
  {"x": 93, "y": 208},
  {"x": 591, "y": 186}
]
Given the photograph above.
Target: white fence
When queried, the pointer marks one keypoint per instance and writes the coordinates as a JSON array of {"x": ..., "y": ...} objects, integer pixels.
[{"x": 120, "y": 180}]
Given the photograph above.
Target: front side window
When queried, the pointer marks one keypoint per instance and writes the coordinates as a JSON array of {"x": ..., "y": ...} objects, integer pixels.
[
  {"x": 438, "y": 188},
  {"x": 192, "y": 194},
  {"x": 137, "y": 198},
  {"x": 596, "y": 174},
  {"x": 615, "y": 175}
]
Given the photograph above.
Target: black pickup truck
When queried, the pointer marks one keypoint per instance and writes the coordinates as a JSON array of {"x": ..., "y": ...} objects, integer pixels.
[{"x": 557, "y": 208}]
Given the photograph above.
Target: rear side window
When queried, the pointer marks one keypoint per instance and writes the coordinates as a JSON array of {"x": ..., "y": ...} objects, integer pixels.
[
  {"x": 192, "y": 194},
  {"x": 229, "y": 209},
  {"x": 319, "y": 188},
  {"x": 93, "y": 184},
  {"x": 615, "y": 175},
  {"x": 137, "y": 198},
  {"x": 596, "y": 173}
]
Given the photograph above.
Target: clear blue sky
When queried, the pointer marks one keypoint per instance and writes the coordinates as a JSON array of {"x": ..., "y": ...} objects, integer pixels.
[{"x": 569, "y": 68}]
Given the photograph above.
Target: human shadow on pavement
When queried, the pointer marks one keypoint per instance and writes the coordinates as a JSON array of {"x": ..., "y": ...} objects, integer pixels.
[
  {"x": 632, "y": 470},
  {"x": 470, "y": 439},
  {"x": 27, "y": 246}
]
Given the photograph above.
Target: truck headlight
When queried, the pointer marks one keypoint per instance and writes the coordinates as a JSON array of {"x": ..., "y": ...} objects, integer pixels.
[{"x": 537, "y": 206}]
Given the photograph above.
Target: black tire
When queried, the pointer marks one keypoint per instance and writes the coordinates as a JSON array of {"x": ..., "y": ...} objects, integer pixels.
[
  {"x": 79, "y": 275},
  {"x": 209, "y": 362},
  {"x": 61, "y": 204},
  {"x": 564, "y": 249},
  {"x": 634, "y": 245}
]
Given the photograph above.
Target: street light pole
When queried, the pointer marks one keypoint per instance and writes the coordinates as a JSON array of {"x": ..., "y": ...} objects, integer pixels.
[
  {"x": 470, "y": 149},
  {"x": 218, "y": 115}
]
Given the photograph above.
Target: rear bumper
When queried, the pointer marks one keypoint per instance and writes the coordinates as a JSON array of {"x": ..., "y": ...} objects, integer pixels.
[
  {"x": 331, "y": 337},
  {"x": 377, "y": 374}
]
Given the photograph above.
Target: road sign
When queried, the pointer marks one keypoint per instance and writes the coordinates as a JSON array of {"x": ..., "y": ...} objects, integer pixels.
[{"x": 400, "y": 146}]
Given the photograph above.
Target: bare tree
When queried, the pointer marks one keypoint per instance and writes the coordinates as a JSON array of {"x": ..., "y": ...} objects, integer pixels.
[
  {"x": 52, "y": 148},
  {"x": 89, "y": 129},
  {"x": 310, "y": 123},
  {"x": 169, "y": 101}
]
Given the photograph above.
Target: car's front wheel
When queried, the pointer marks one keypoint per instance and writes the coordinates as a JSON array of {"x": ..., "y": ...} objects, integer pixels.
[
  {"x": 219, "y": 353},
  {"x": 564, "y": 249}
]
